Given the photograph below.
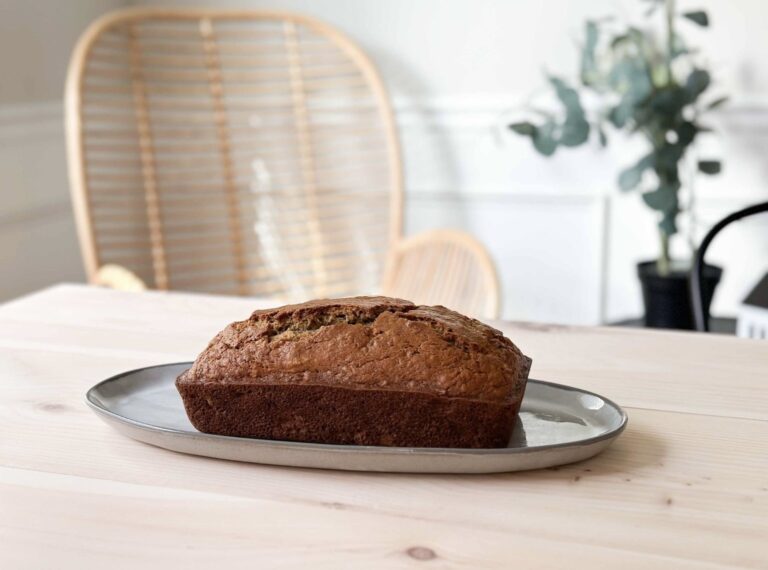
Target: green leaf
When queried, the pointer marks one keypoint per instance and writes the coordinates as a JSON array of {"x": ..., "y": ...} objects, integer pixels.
[
  {"x": 679, "y": 48},
  {"x": 588, "y": 62},
  {"x": 575, "y": 129},
  {"x": 717, "y": 102},
  {"x": 658, "y": 200},
  {"x": 574, "y": 133},
  {"x": 643, "y": 116},
  {"x": 698, "y": 17},
  {"x": 631, "y": 177},
  {"x": 524, "y": 128},
  {"x": 696, "y": 84},
  {"x": 640, "y": 85},
  {"x": 710, "y": 166},
  {"x": 621, "y": 113},
  {"x": 668, "y": 223},
  {"x": 686, "y": 132},
  {"x": 668, "y": 156},
  {"x": 568, "y": 96},
  {"x": 668, "y": 101},
  {"x": 631, "y": 78},
  {"x": 544, "y": 140},
  {"x": 664, "y": 199}
]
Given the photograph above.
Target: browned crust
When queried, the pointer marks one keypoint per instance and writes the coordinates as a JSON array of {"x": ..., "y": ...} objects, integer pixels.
[
  {"x": 367, "y": 343},
  {"x": 325, "y": 414}
]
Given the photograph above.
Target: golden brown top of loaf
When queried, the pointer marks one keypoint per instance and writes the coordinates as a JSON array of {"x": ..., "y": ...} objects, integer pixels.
[{"x": 366, "y": 343}]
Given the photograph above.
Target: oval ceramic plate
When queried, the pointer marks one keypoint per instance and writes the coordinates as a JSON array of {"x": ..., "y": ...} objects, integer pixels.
[{"x": 556, "y": 425}]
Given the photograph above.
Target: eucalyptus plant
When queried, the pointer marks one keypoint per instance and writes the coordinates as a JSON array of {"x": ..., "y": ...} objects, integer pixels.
[{"x": 646, "y": 84}]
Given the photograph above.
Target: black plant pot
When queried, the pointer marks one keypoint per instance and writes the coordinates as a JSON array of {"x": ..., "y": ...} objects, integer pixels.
[{"x": 667, "y": 298}]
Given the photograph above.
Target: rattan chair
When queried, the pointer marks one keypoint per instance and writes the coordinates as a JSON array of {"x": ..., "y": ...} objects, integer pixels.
[
  {"x": 444, "y": 267},
  {"x": 237, "y": 152}
]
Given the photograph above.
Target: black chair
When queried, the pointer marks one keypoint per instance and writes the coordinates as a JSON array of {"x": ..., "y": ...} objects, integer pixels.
[{"x": 700, "y": 307}]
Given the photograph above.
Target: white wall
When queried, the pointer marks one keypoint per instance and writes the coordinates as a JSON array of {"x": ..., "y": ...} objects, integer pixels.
[
  {"x": 36, "y": 39},
  {"x": 565, "y": 241},
  {"x": 37, "y": 236}
]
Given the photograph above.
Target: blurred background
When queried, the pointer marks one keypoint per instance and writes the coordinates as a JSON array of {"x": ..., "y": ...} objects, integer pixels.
[{"x": 564, "y": 239}]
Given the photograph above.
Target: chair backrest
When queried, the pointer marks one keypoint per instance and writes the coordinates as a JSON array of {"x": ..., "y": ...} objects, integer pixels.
[
  {"x": 444, "y": 267},
  {"x": 239, "y": 152},
  {"x": 700, "y": 298}
]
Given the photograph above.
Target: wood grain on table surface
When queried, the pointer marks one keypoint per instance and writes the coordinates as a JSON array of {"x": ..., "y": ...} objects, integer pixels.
[{"x": 686, "y": 486}]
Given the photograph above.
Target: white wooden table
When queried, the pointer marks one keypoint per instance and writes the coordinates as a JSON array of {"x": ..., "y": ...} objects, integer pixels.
[{"x": 686, "y": 486}]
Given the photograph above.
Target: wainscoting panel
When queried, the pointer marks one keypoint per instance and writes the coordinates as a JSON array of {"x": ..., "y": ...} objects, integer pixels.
[
  {"x": 565, "y": 239},
  {"x": 547, "y": 250},
  {"x": 38, "y": 245}
]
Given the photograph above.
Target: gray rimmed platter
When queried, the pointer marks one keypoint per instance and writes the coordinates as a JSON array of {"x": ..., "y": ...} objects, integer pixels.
[{"x": 557, "y": 425}]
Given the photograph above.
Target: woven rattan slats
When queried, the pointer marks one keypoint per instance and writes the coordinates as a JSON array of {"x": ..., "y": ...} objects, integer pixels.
[
  {"x": 240, "y": 152},
  {"x": 444, "y": 267}
]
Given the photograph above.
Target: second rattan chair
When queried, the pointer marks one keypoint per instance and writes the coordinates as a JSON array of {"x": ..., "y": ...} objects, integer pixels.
[{"x": 444, "y": 267}]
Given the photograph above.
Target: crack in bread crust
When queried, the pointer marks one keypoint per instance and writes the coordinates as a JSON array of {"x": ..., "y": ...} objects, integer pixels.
[{"x": 307, "y": 317}]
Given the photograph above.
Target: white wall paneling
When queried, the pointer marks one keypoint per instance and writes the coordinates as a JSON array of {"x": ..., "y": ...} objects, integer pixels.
[
  {"x": 565, "y": 239},
  {"x": 38, "y": 246},
  {"x": 546, "y": 248},
  {"x": 37, "y": 235},
  {"x": 35, "y": 41}
]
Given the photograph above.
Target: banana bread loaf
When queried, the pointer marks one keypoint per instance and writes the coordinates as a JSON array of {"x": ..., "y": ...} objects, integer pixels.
[{"x": 364, "y": 371}]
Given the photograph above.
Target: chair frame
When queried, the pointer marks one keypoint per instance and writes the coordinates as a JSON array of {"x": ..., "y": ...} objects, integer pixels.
[
  {"x": 74, "y": 101},
  {"x": 700, "y": 310}
]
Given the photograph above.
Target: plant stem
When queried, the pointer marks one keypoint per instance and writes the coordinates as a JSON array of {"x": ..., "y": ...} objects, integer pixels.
[
  {"x": 670, "y": 13},
  {"x": 690, "y": 208},
  {"x": 663, "y": 263}
]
